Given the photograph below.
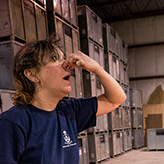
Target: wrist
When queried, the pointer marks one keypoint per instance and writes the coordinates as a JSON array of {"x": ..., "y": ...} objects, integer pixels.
[{"x": 98, "y": 69}]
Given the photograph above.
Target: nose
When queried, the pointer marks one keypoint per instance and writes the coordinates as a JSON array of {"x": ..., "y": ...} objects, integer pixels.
[{"x": 65, "y": 66}]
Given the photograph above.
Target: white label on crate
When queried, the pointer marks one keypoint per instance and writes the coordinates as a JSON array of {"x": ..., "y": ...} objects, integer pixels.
[
  {"x": 119, "y": 115},
  {"x": 92, "y": 155},
  {"x": 83, "y": 31},
  {"x": 121, "y": 134},
  {"x": 85, "y": 151},
  {"x": 134, "y": 111},
  {"x": 80, "y": 152}
]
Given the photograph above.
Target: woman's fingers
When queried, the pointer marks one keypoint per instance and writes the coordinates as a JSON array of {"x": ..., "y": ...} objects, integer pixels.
[{"x": 78, "y": 59}]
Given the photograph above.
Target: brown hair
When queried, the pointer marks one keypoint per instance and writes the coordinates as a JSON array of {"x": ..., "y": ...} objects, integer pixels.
[{"x": 31, "y": 55}]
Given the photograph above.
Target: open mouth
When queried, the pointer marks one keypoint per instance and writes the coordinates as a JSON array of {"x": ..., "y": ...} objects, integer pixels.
[{"x": 67, "y": 77}]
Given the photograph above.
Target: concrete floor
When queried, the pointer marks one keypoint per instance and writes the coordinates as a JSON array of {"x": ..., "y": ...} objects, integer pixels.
[{"x": 140, "y": 156}]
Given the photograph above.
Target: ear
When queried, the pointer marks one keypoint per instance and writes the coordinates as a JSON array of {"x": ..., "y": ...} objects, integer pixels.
[{"x": 31, "y": 74}]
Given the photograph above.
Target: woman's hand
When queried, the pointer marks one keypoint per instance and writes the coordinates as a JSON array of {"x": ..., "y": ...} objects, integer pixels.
[{"x": 79, "y": 59}]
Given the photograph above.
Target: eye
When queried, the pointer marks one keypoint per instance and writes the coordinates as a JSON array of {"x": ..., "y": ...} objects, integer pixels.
[{"x": 54, "y": 58}]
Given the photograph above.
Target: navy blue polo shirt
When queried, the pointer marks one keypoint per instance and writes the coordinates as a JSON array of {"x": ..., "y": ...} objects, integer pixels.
[{"x": 29, "y": 135}]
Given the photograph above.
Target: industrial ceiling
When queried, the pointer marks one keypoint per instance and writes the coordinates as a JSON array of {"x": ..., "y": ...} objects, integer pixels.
[{"x": 116, "y": 10}]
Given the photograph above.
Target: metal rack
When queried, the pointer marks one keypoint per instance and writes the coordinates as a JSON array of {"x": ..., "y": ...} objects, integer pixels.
[
  {"x": 90, "y": 25},
  {"x": 23, "y": 20},
  {"x": 7, "y": 51}
]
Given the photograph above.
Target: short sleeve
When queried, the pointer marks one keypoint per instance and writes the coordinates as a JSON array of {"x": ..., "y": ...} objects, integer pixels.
[
  {"x": 11, "y": 142},
  {"x": 86, "y": 110}
]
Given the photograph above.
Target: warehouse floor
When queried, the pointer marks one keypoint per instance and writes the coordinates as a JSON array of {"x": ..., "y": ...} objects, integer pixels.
[{"x": 140, "y": 156}]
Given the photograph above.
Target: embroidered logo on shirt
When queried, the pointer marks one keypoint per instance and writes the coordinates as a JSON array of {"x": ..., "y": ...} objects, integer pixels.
[{"x": 68, "y": 142}]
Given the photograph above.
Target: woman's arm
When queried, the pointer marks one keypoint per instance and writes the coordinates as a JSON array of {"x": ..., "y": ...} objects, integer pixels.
[{"x": 114, "y": 94}]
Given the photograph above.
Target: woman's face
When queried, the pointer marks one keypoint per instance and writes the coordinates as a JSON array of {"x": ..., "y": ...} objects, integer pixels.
[{"x": 55, "y": 80}]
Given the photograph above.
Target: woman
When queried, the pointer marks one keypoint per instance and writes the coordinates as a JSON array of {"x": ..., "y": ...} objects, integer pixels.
[{"x": 42, "y": 128}]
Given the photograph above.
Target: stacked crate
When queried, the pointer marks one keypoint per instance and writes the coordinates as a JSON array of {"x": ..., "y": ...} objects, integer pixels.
[
  {"x": 116, "y": 63},
  {"x": 127, "y": 131},
  {"x": 155, "y": 138},
  {"x": 91, "y": 40},
  {"x": 83, "y": 148},
  {"x": 6, "y": 101},
  {"x": 136, "y": 118},
  {"x": 21, "y": 21},
  {"x": 112, "y": 51},
  {"x": 115, "y": 126}
]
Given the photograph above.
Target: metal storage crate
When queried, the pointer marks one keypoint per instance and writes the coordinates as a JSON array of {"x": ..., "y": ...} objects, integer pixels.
[
  {"x": 90, "y": 25},
  {"x": 137, "y": 138},
  {"x": 110, "y": 39},
  {"x": 122, "y": 51},
  {"x": 98, "y": 147},
  {"x": 64, "y": 9},
  {"x": 116, "y": 143},
  {"x": 113, "y": 64},
  {"x": 35, "y": 21},
  {"x": 22, "y": 19},
  {"x": 6, "y": 99},
  {"x": 7, "y": 51},
  {"x": 101, "y": 124},
  {"x": 134, "y": 118},
  {"x": 135, "y": 98},
  {"x": 73, "y": 12},
  {"x": 11, "y": 18},
  {"x": 155, "y": 139},
  {"x": 140, "y": 117},
  {"x": 115, "y": 119},
  {"x": 119, "y": 45},
  {"x": 125, "y": 52},
  {"x": 124, "y": 78},
  {"x": 92, "y": 84},
  {"x": 126, "y": 117},
  {"x": 137, "y": 117},
  {"x": 41, "y": 23},
  {"x": 127, "y": 139},
  {"x": 54, "y": 6},
  {"x": 105, "y": 122},
  {"x": 83, "y": 149},
  {"x": 127, "y": 92},
  {"x": 29, "y": 21}
]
